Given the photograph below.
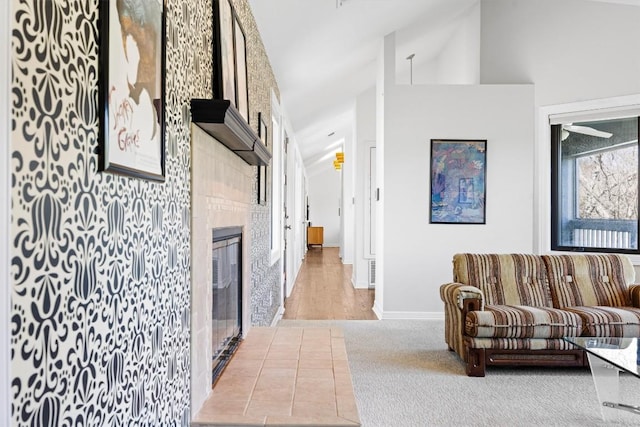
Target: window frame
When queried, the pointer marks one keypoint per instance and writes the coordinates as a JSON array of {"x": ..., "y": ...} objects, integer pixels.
[{"x": 556, "y": 169}]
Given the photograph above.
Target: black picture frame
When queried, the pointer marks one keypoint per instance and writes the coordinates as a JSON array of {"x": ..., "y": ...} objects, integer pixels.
[
  {"x": 230, "y": 73},
  {"x": 262, "y": 129},
  {"x": 262, "y": 170},
  {"x": 263, "y": 182},
  {"x": 458, "y": 181},
  {"x": 224, "y": 73},
  {"x": 242, "y": 88},
  {"x": 132, "y": 89}
]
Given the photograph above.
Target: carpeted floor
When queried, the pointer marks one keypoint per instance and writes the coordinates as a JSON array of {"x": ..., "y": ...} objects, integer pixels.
[{"x": 403, "y": 375}]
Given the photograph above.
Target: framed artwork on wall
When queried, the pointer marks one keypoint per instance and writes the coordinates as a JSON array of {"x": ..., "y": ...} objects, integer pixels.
[
  {"x": 229, "y": 58},
  {"x": 132, "y": 51},
  {"x": 242, "y": 92},
  {"x": 262, "y": 170},
  {"x": 262, "y": 185},
  {"x": 224, "y": 66},
  {"x": 458, "y": 181}
]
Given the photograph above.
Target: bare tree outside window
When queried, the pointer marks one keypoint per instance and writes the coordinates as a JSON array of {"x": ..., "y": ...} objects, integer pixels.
[{"x": 608, "y": 184}]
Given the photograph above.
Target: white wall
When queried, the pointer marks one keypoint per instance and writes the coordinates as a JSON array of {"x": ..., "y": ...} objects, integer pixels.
[
  {"x": 324, "y": 202},
  {"x": 296, "y": 210},
  {"x": 348, "y": 194},
  {"x": 365, "y": 138},
  {"x": 300, "y": 215},
  {"x": 417, "y": 255},
  {"x": 572, "y": 50},
  {"x": 459, "y": 61},
  {"x": 579, "y": 54},
  {"x": 385, "y": 78}
]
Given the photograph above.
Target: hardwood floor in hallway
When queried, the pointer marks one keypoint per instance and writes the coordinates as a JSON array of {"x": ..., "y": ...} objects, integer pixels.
[{"x": 323, "y": 290}]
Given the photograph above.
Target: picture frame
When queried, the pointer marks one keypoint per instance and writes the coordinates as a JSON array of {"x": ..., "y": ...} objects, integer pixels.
[
  {"x": 262, "y": 170},
  {"x": 458, "y": 173},
  {"x": 224, "y": 77},
  {"x": 132, "y": 89},
  {"x": 242, "y": 90},
  {"x": 262, "y": 129},
  {"x": 230, "y": 58},
  {"x": 262, "y": 185}
]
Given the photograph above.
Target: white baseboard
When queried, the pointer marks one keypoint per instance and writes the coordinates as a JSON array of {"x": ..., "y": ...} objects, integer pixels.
[
  {"x": 376, "y": 310},
  {"x": 410, "y": 315},
  {"x": 278, "y": 316},
  {"x": 360, "y": 285}
]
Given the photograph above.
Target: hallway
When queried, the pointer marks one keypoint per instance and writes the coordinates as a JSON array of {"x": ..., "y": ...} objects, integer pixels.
[{"x": 323, "y": 290}]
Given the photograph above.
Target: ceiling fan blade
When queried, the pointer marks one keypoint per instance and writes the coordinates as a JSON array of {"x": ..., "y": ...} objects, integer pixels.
[{"x": 587, "y": 131}]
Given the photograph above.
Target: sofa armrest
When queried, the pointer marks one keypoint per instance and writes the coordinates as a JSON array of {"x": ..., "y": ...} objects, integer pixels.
[
  {"x": 458, "y": 300},
  {"x": 465, "y": 297},
  {"x": 634, "y": 294}
]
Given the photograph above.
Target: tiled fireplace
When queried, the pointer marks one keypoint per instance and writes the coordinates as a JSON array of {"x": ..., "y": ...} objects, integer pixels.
[{"x": 222, "y": 185}]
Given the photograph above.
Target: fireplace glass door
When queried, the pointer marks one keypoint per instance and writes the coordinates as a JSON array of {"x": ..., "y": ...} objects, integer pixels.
[{"x": 227, "y": 296}]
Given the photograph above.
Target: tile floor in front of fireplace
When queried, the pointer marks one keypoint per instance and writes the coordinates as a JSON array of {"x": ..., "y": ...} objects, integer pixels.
[{"x": 284, "y": 376}]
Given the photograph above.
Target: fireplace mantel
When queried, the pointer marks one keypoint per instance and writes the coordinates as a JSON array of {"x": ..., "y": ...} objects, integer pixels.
[{"x": 221, "y": 120}]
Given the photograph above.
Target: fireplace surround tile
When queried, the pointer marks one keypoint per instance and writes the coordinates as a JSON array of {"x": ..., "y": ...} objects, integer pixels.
[
  {"x": 221, "y": 197},
  {"x": 287, "y": 391}
]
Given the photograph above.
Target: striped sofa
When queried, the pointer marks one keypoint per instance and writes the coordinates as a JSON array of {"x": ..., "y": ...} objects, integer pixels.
[{"x": 515, "y": 309}]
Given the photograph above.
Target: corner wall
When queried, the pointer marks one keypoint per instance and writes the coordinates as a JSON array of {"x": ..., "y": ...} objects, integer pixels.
[
  {"x": 365, "y": 139},
  {"x": 418, "y": 254},
  {"x": 579, "y": 54}
]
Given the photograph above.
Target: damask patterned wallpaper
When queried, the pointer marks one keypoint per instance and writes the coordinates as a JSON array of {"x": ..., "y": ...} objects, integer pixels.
[
  {"x": 101, "y": 263},
  {"x": 265, "y": 277}
]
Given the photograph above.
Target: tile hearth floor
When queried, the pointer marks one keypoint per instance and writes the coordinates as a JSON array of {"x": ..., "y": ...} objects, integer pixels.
[{"x": 284, "y": 377}]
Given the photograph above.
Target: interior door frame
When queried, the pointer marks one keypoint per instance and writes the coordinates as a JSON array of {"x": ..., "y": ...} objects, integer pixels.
[
  {"x": 370, "y": 202},
  {"x": 286, "y": 217}
]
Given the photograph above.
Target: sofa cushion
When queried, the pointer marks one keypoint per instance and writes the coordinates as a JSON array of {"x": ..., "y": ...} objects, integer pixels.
[
  {"x": 505, "y": 279},
  {"x": 589, "y": 280},
  {"x": 505, "y": 321},
  {"x": 600, "y": 321}
]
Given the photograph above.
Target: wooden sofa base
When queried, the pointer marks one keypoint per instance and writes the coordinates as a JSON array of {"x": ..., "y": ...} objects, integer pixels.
[{"x": 479, "y": 358}]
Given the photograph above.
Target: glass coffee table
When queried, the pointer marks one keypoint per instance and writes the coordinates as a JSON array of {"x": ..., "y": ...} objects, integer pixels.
[{"x": 607, "y": 357}]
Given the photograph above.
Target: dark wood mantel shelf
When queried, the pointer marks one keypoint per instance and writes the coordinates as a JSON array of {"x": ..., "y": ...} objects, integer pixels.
[{"x": 221, "y": 120}]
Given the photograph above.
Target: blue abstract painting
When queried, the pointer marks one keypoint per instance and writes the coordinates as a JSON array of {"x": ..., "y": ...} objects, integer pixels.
[{"x": 458, "y": 181}]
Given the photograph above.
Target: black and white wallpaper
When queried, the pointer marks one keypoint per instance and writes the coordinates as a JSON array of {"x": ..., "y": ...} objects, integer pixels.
[
  {"x": 100, "y": 263},
  {"x": 266, "y": 294}
]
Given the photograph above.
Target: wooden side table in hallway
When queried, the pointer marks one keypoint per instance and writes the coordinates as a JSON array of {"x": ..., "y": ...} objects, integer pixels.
[
  {"x": 315, "y": 236},
  {"x": 323, "y": 291}
]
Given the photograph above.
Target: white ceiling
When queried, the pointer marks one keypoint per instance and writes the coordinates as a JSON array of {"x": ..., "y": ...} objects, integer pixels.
[{"x": 323, "y": 53}]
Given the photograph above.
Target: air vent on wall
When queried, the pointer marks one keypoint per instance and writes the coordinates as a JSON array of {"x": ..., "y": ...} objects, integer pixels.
[{"x": 372, "y": 273}]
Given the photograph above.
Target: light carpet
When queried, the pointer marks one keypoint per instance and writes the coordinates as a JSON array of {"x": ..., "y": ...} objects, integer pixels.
[{"x": 404, "y": 375}]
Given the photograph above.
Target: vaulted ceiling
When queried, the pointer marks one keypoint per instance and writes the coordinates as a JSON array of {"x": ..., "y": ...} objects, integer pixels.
[{"x": 323, "y": 53}]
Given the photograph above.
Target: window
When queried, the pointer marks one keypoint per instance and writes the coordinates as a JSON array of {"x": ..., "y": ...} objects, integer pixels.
[{"x": 594, "y": 185}]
